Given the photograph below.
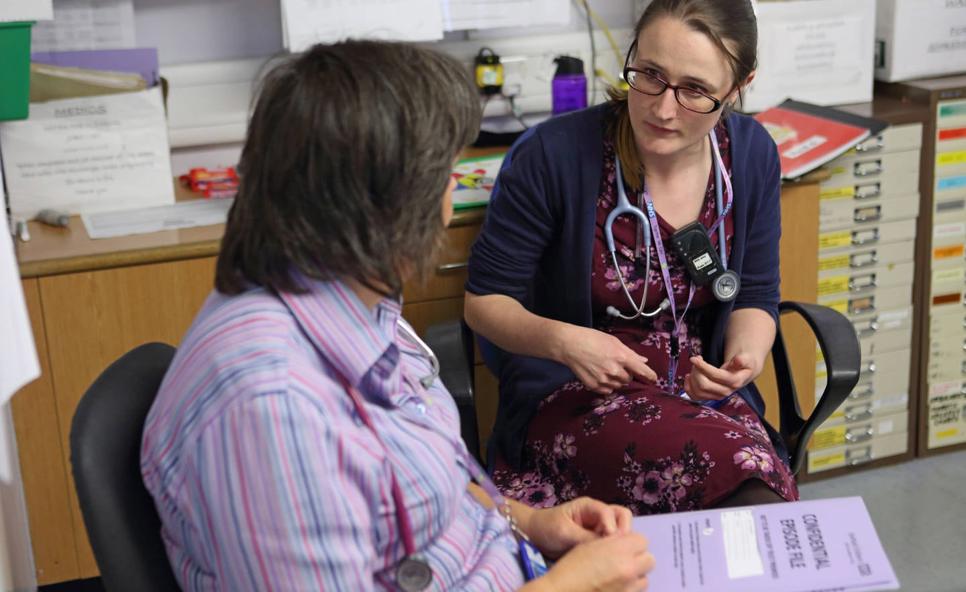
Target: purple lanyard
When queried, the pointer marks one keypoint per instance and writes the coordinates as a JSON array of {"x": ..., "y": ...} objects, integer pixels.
[
  {"x": 662, "y": 258},
  {"x": 472, "y": 465}
]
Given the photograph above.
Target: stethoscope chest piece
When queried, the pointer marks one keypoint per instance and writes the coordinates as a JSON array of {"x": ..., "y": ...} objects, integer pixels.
[
  {"x": 413, "y": 574},
  {"x": 726, "y": 285}
]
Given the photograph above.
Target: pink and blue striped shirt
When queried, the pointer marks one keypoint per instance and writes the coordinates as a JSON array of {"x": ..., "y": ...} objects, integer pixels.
[{"x": 266, "y": 479}]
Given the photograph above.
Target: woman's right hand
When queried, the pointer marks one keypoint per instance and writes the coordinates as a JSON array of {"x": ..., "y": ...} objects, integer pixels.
[
  {"x": 601, "y": 361},
  {"x": 617, "y": 563}
]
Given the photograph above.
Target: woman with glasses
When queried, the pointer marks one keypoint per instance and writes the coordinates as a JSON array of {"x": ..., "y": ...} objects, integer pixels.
[
  {"x": 300, "y": 439},
  {"x": 622, "y": 379}
]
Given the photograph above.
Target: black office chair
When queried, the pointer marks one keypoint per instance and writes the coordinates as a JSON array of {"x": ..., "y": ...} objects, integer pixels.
[
  {"x": 105, "y": 443},
  {"x": 453, "y": 343}
]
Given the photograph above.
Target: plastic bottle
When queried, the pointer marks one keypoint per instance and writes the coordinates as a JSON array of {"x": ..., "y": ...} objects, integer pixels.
[{"x": 569, "y": 87}]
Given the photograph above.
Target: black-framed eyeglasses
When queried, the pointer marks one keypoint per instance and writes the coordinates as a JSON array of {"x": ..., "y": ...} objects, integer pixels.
[{"x": 651, "y": 84}]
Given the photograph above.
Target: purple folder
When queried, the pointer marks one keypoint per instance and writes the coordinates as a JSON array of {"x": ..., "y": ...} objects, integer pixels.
[
  {"x": 143, "y": 61},
  {"x": 793, "y": 547}
]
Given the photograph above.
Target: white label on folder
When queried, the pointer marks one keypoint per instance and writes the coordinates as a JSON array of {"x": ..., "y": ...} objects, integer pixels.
[
  {"x": 950, "y": 230},
  {"x": 802, "y": 147},
  {"x": 741, "y": 544}
]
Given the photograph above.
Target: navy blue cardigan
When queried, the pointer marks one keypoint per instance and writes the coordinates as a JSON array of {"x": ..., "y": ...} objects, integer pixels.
[{"x": 537, "y": 241}]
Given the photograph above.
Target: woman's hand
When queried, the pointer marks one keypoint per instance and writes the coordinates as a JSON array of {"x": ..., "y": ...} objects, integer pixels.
[
  {"x": 600, "y": 361},
  {"x": 617, "y": 563},
  {"x": 556, "y": 530},
  {"x": 705, "y": 382}
]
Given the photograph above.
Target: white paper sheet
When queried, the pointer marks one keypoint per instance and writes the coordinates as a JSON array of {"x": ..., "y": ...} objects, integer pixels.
[
  {"x": 202, "y": 212},
  {"x": 26, "y": 10},
  {"x": 818, "y": 51},
  {"x": 86, "y": 24},
  {"x": 87, "y": 155},
  {"x": 488, "y": 14},
  {"x": 306, "y": 22}
]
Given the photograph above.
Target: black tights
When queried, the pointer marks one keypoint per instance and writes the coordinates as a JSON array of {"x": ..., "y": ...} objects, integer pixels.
[{"x": 749, "y": 493}]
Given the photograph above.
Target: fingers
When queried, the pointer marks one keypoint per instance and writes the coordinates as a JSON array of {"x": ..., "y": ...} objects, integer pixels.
[
  {"x": 638, "y": 365},
  {"x": 699, "y": 387},
  {"x": 623, "y": 518},
  {"x": 733, "y": 380}
]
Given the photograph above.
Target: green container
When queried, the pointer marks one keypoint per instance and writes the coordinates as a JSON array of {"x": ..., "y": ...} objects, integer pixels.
[{"x": 14, "y": 70}]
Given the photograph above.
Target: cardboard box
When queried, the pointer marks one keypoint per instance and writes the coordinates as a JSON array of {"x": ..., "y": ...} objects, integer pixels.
[
  {"x": 817, "y": 51},
  {"x": 919, "y": 38}
]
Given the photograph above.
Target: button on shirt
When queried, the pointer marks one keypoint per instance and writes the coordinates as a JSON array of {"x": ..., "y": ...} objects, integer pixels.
[{"x": 264, "y": 476}]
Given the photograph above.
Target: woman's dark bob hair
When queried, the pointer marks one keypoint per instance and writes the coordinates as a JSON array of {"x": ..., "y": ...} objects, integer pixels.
[{"x": 349, "y": 152}]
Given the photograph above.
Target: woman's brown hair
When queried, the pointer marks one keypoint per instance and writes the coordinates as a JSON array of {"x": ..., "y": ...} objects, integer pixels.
[
  {"x": 730, "y": 24},
  {"x": 348, "y": 154}
]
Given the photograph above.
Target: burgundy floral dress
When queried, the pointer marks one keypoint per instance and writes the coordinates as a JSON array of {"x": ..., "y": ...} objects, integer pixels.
[{"x": 639, "y": 446}]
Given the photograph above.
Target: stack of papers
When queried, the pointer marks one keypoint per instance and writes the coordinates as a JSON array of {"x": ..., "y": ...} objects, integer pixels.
[{"x": 808, "y": 546}]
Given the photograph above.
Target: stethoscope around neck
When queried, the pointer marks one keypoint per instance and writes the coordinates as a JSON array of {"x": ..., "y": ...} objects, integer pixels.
[{"x": 724, "y": 291}]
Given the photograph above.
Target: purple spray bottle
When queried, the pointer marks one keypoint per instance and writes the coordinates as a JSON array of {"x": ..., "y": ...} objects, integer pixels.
[{"x": 569, "y": 87}]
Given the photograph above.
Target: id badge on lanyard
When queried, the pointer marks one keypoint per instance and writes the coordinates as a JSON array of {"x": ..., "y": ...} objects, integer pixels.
[{"x": 534, "y": 565}]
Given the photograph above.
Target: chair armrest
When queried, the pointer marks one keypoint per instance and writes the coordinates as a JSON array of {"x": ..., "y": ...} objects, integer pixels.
[
  {"x": 840, "y": 349},
  {"x": 452, "y": 342}
]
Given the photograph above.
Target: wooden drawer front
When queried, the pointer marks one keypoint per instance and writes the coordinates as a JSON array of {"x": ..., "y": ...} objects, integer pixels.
[
  {"x": 864, "y": 281},
  {"x": 856, "y": 454},
  {"x": 892, "y": 170},
  {"x": 864, "y": 257},
  {"x": 850, "y": 213},
  {"x": 423, "y": 314},
  {"x": 450, "y": 274},
  {"x": 843, "y": 434},
  {"x": 838, "y": 242}
]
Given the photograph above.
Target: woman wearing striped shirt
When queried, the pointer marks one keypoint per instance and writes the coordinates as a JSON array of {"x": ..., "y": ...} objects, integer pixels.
[{"x": 293, "y": 445}]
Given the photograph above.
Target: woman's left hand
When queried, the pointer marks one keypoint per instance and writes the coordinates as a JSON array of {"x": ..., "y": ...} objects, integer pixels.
[
  {"x": 707, "y": 383},
  {"x": 556, "y": 530}
]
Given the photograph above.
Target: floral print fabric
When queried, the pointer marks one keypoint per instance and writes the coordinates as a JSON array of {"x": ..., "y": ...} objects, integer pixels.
[{"x": 641, "y": 446}]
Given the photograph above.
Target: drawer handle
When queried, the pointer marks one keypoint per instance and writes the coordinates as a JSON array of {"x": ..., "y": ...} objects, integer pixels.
[
  {"x": 865, "y": 169},
  {"x": 452, "y": 267},
  {"x": 865, "y": 237},
  {"x": 869, "y": 329},
  {"x": 859, "y": 458},
  {"x": 868, "y": 369},
  {"x": 862, "y": 282},
  {"x": 871, "y": 145},
  {"x": 861, "y": 435},
  {"x": 962, "y": 368},
  {"x": 862, "y": 305},
  {"x": 860, "y": 260},
  {"x": 859, "y": 415},
  {"x": 867, "y": 214},
  {"x": 868, "y": 190},
  {"x": 863, "y": 394}
]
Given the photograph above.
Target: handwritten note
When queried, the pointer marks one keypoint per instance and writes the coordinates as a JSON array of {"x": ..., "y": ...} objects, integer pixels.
[
  {"x": 86, "y": 24},
  {"x": 87, "y": 155}
]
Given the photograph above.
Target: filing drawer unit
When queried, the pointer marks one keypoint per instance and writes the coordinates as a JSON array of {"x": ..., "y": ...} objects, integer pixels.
[
  {"x": 867, "y": 230},
  {"x": 941, "y": 272}
]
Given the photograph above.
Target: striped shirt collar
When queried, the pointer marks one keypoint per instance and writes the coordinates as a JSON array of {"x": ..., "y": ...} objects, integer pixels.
[{"x": 357, "y": 342}]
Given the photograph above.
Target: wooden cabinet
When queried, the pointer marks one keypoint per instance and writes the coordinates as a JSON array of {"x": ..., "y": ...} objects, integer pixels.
[{"x": 90, "y": 301}]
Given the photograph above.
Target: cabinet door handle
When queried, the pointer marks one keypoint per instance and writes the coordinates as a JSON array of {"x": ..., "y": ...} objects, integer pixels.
[
  {"x": 867, "y": 214},
  {"x": 868, "y": 369},
  {"x": 869, "y": 329},
  {"x": 859, "y": 435},
  {"x": 858, "y": 413},
  {"x": 858, "y": 283},
  {"x": 855, "y": 457},
  {"x": 868, "y": 190},
  {"x": 860, "y": 260},
  {"x": 863, "y": 394},
  {"x": 871, "y": 145},
  {"x": 867, "y": 168},
  {"x": 865, "y": 237},
  {"x": 452, "y": 267}
]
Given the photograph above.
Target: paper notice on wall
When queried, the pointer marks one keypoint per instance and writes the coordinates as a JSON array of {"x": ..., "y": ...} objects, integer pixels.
[
  {"x": 26, "y": 10},
  {"x": 488, "y": 14},
  {"x": 306, "y": 22},
  {"x": 87, "y": 155},
  {"x": 86, "y": 24}
]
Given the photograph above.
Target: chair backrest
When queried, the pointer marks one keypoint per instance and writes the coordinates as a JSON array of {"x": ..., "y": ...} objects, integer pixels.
[{"x": 105, "y": 441}]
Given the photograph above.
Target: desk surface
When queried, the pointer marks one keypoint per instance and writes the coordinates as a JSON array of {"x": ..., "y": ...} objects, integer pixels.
[{"x": 52, "y": 251}]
